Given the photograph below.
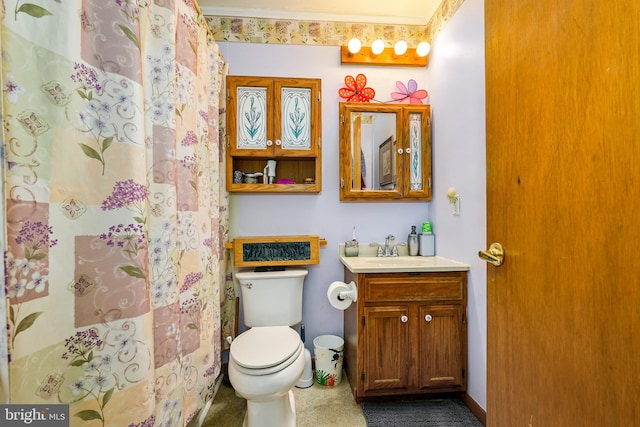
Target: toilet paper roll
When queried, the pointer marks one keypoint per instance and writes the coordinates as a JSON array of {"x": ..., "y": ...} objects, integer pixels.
[{"x": 333, "y": 294}]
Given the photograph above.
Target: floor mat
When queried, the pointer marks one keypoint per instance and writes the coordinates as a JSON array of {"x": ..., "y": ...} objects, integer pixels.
[{"x": 421, "y": 413}]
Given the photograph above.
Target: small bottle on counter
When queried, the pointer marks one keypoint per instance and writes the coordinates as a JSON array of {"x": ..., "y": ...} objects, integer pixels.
[
  {"x": 412, "y": 241},
  {"x": 427, "y": 240}
]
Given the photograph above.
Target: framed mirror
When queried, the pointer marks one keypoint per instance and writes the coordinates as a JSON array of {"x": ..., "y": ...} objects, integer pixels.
[{"x": 385, "y": 152}]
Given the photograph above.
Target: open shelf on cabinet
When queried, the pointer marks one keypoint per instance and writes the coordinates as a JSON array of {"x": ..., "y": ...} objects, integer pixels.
[{"x": 294, "y": 169}]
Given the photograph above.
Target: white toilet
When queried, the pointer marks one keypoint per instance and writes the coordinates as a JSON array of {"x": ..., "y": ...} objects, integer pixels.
[{"x": 266, "y": 361}]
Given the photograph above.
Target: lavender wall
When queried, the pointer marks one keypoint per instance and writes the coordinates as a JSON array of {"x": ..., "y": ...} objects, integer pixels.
[{"x": 456, "y": 76}]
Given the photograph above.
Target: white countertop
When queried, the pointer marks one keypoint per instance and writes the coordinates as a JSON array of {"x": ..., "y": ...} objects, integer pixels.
[{"x": 401, "y": 264}]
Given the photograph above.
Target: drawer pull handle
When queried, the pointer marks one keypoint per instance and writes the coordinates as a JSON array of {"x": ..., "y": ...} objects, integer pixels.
[
  {"x": 404, "y": 319},
  {"x": 428, "y": 318}
]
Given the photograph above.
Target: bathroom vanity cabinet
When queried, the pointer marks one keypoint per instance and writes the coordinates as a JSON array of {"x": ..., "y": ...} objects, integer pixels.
[
  {"x": 407, "y": 333},
  {"x": 271, "y": 118}
]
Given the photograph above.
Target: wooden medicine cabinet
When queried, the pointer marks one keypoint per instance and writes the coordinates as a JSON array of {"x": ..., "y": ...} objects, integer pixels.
[
  {"x": 277, "y": 122},
  {"x": 385, "y": 152}
]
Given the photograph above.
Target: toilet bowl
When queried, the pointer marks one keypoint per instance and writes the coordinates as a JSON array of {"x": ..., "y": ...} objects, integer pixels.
[
  {"x": 265, "y": 363},
  {"x": 267, "y": 360}
]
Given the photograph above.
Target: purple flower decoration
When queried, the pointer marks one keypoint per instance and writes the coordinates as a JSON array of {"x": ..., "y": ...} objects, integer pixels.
[
  {"x": 86, "y": 77},
  {"x": 189, "y": 139},
  {"x": 35, "y": 235},
  {"x": 81, "y": 343},
  {"x": 149, "y": 422},
  {"x": 409, "y": 94},
  {"x": 131, "y": 236},
  {"x": 190, "y": 280},
  {"x": 124, "y": 194}
]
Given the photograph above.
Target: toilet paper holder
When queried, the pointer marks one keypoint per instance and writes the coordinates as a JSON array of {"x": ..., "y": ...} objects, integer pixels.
[
  {"x": 341, "y": 295},
  {"x": 351, "y": 294}
]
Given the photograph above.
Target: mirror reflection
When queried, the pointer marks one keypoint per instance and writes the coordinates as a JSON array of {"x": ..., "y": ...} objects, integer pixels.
[{"x": 373, "y": 148}]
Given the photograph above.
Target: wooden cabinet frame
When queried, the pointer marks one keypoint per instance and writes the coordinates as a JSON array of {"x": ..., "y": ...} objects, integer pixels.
[
  {"x": 297, "y": 163},
  {"x": 411, "y": 166},
  {"x": 407, "y": 334}
]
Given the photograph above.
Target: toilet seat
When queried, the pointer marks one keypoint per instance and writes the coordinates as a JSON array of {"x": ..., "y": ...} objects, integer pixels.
[{"x": 263, "y": 350}]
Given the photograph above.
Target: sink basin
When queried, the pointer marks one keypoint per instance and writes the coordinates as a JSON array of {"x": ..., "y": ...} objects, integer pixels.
[
  {"x": 372, "y": 264},
  {"x": 393, "y": 261}
]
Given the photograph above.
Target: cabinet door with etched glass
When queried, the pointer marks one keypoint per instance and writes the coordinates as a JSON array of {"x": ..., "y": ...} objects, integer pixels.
[
  {"x": 297, "y": 117},
  {"x": 249, "y": 125},
  {"x": 273, "y": 117},
  {"x": 416, "y": 152}
]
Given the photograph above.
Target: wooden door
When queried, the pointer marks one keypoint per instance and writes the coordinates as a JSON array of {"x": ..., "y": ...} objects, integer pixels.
[
  {"x": 563, "y": 198},
  {"x": 386, "y": 349},
  {"x": 441, "y": 354}
]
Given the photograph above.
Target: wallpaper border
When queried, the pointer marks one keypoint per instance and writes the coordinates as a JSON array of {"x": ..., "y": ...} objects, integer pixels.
[{"x": 325, "y": 33}]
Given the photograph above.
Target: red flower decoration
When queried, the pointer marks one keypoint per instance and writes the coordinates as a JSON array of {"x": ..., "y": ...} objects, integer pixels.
[
  {"x": 356, "y": 90},
  {"x": 409, "y": 94}
]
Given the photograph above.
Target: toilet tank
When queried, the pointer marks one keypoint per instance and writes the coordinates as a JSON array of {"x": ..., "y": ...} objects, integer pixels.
[{"x": 272, "y": 298}]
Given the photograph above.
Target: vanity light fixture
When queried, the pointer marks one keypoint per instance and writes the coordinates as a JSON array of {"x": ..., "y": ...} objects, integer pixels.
[
  {"x": 354, "y": 45},
  {"x": 400, "y": 48},
  {"x": 378, "y": 54},
  {"x": 423, "y": 49},
  {"x": 377, "y": 47}
]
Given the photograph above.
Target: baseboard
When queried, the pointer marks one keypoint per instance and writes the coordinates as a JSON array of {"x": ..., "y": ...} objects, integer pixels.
[{"x": 475, "y": 409}]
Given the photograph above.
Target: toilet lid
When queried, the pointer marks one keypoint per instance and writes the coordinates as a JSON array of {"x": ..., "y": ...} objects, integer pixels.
[{"x": 264, "y": 346}]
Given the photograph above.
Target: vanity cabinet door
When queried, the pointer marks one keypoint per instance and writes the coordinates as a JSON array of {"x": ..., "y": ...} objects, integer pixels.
[
  {"x": 441, "y": 356},
  {"x": 386, "y": 347}
]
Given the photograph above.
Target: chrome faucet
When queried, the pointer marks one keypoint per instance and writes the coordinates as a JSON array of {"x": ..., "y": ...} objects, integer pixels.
[{"x": 390, "y": 248}]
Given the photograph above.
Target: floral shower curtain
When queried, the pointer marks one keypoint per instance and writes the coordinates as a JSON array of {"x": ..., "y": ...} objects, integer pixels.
[{"x": 114, "y": 211}]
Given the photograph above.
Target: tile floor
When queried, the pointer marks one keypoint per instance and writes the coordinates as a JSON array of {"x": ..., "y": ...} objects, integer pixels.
[{"x": 316, "y": 406}]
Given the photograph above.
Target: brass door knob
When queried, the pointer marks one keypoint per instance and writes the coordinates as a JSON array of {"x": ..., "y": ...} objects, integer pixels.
[{"x": 495, "y": 254}]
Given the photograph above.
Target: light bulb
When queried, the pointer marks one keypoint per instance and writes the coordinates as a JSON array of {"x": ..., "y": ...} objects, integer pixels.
[
  {"x": 377, "y": 47},
  {"x": 354, "y": 45},
  {"x": 423, "y": 49},
  {"x": 400, "y": 48}
]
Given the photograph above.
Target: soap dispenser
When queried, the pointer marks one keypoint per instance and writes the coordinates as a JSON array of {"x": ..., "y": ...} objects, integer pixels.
[
  {"x": 412, "y": 241},
  {"x": 351, "y": 247},
  {"x": 427, "y": 240}
]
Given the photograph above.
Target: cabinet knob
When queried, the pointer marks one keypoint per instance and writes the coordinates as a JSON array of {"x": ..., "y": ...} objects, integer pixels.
[
  {"x": 408, "y": 150},
  {"x": 404, "y": 319},
  {"x": 428, "y": 318},
  {"x": 400, "y": 151},
  {"x": 278, "y": 142},
  {"x": 269, "y": 143}
]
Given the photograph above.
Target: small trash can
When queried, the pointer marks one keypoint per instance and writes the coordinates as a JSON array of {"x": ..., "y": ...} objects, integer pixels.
[{"x": 328, "y": 351}]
